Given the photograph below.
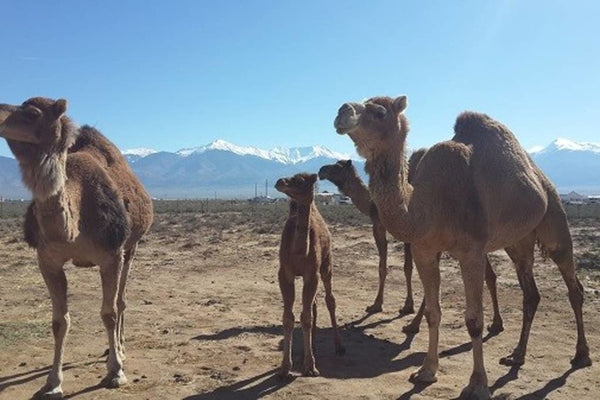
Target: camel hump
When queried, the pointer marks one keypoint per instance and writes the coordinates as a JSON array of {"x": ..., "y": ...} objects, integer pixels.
[
  {"x": 470, "y": 122},
  {"x": 413, "y": 161},
  {"x": 90, "y": 140}
]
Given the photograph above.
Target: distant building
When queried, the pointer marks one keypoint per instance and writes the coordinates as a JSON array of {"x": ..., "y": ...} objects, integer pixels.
[
  {"x": 262, "y": 199},
  {"x": 332, "y": 198},
  {"x": 594, "y": 199}
]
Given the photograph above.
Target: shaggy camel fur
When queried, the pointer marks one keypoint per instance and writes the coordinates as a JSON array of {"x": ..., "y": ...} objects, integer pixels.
[
  {"x": 305, "y": 251},
  {"x": 344, "y": 176},
  {"x": 87, "y": 207},
  {"x": 462, "y": 200}
]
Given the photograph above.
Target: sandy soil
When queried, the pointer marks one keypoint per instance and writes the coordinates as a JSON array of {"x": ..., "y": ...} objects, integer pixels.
[{"x": 204, "y": 322}]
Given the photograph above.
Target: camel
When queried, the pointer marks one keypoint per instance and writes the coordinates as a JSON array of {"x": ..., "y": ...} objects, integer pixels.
[
  {"x": 344, "y": 176},
  {"x": 305, "y": 251},
  {"x": 474, "y": 194},
  {"x": 87, "y": 207}
]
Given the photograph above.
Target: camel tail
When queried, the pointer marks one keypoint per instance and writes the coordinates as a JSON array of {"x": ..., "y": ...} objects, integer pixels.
[{"x": 544, "y": 253}]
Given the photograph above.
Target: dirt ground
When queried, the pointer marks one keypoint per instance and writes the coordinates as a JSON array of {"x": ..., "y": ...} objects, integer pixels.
[{"x": 204, "y": 322}]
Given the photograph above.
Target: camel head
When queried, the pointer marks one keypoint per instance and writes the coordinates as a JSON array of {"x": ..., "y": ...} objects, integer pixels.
[
  {"x": 374, "y": 125},
  {"x": 299, "y": 187},
  {"x": 36, "y": 127},
  {"x": 337, "y": 173},
  {"x": 5, "y": 111},
  {"x": 39, "y": 135}
]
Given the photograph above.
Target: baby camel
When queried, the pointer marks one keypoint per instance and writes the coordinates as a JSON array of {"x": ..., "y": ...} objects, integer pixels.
[
  {"x": 305, "y": 251},
  {"x": 87, "y": 207}
]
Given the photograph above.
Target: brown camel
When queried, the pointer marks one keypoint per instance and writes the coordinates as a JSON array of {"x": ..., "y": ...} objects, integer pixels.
[
  {"x": 344, "y": 176},
  {"x": 305, "y": 251},
  {"x": 474, "y": 194},
  {"x": 87, "y": 207}
]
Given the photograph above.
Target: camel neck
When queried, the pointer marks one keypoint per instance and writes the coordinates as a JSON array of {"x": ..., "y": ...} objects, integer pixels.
[
  {"x": 300, "y": 242},
  {"x": 45, "y": 175},
  {"x": 55, "y": 218},
  {"x": 356, "y": 189},
  {"x": 391, "y": 193}
]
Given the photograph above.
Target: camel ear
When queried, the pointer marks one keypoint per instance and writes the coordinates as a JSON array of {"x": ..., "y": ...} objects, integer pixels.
[
  {"x": 59, "y": 108},
  {"x": 348, "y": 163},
  {"x": 313, "y": 178},
  {"x": 400, "y": 104}
]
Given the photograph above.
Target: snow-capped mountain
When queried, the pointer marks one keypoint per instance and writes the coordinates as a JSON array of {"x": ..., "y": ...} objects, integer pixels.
[
  {"x": 225, "y": 168},
  {"x": 562, "y": 144},
  {"x": 280, "y": 154},
  {"x": 140, "y": 152},
  {"x": 570, "y": 165}
]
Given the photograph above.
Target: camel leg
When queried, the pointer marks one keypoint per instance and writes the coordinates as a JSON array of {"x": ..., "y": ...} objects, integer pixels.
[
  {"x": 309, "y": 292},
  {"x": 429, "y": 272},
  {"x": 314, "y": 324},
  {"x": 522, "y": 256},
  {"x": 110, "y": 273},
  {"x": 567, "y": 270},
  {"x": 286, "y": 285},
  {"x": 414, "y": 326},
  {"x": 555, "y": 239},
  {"x": 330, "y": 301},
  {"x": 122, "y": 301},
  {"x": 497, "y": 325},
  {"x": 473, "y": 272},
  {"x": 379, "y": 234},
  {"x": 56, "y": 281},
  {"x": 409, "y": 306}
]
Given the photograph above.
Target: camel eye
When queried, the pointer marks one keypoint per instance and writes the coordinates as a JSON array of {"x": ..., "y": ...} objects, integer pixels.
[
  {"x": 378, "y": 110},
  {"x": 31, "y": 113}
]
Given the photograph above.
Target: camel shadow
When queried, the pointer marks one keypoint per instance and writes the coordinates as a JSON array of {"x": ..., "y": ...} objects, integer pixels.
[
  {"x": 541, "y": 393},
  {"x": 367, "y": 356},
  {"x": 31, "y": 375},
  {"x": 251, "y": 388},
  {"x": 27, "y": 376}
]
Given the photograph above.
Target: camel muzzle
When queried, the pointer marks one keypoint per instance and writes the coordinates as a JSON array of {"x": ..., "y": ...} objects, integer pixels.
[
  {"x": 280, "y": 184},
  {"x": 10, "y": 134},
  {"x": 347, "y": 117},
  {"x": 323, "y": 173}
]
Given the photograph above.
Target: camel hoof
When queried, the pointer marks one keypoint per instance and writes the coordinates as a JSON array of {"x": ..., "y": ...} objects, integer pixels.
[
  {"x": 374, "y": 309},
  {"x": 340, "y": 350},
  {"x": 285, "y": 376},
  {"x": 411, "y": 328},
  {"x": 581, "y": 361},
  {"x": 407, "y": 309},
  {"x": 114, "y": 380},
  {"x": 512, "y": 360},
  {"x": 45, "y": 393},
  {"x": 477, "y": 392},
  {"x": 422, "y": 375},
  {"x": 495, "y": 328},
  {"x": 311, "y": 372}
]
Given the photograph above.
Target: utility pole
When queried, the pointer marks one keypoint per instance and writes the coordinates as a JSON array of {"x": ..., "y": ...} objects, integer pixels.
[
  {"x": 255, "y": 190},
  {"x": 266, "y": 188}
]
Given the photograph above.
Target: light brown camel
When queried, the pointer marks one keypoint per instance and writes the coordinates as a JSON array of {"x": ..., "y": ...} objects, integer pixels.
[
  {"x": 87, "y": 207},
  {"x": 305, "y": 251},
  {"x": 474, "y": 194},
  {"x": 344, "y": 176}
]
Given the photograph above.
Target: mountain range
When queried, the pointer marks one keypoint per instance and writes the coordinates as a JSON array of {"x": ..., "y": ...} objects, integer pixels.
[{"x": 225, "y": 170}]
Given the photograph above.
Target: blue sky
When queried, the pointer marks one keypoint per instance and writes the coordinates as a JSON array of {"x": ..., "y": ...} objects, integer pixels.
[{"x": 177, "y": 74}]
